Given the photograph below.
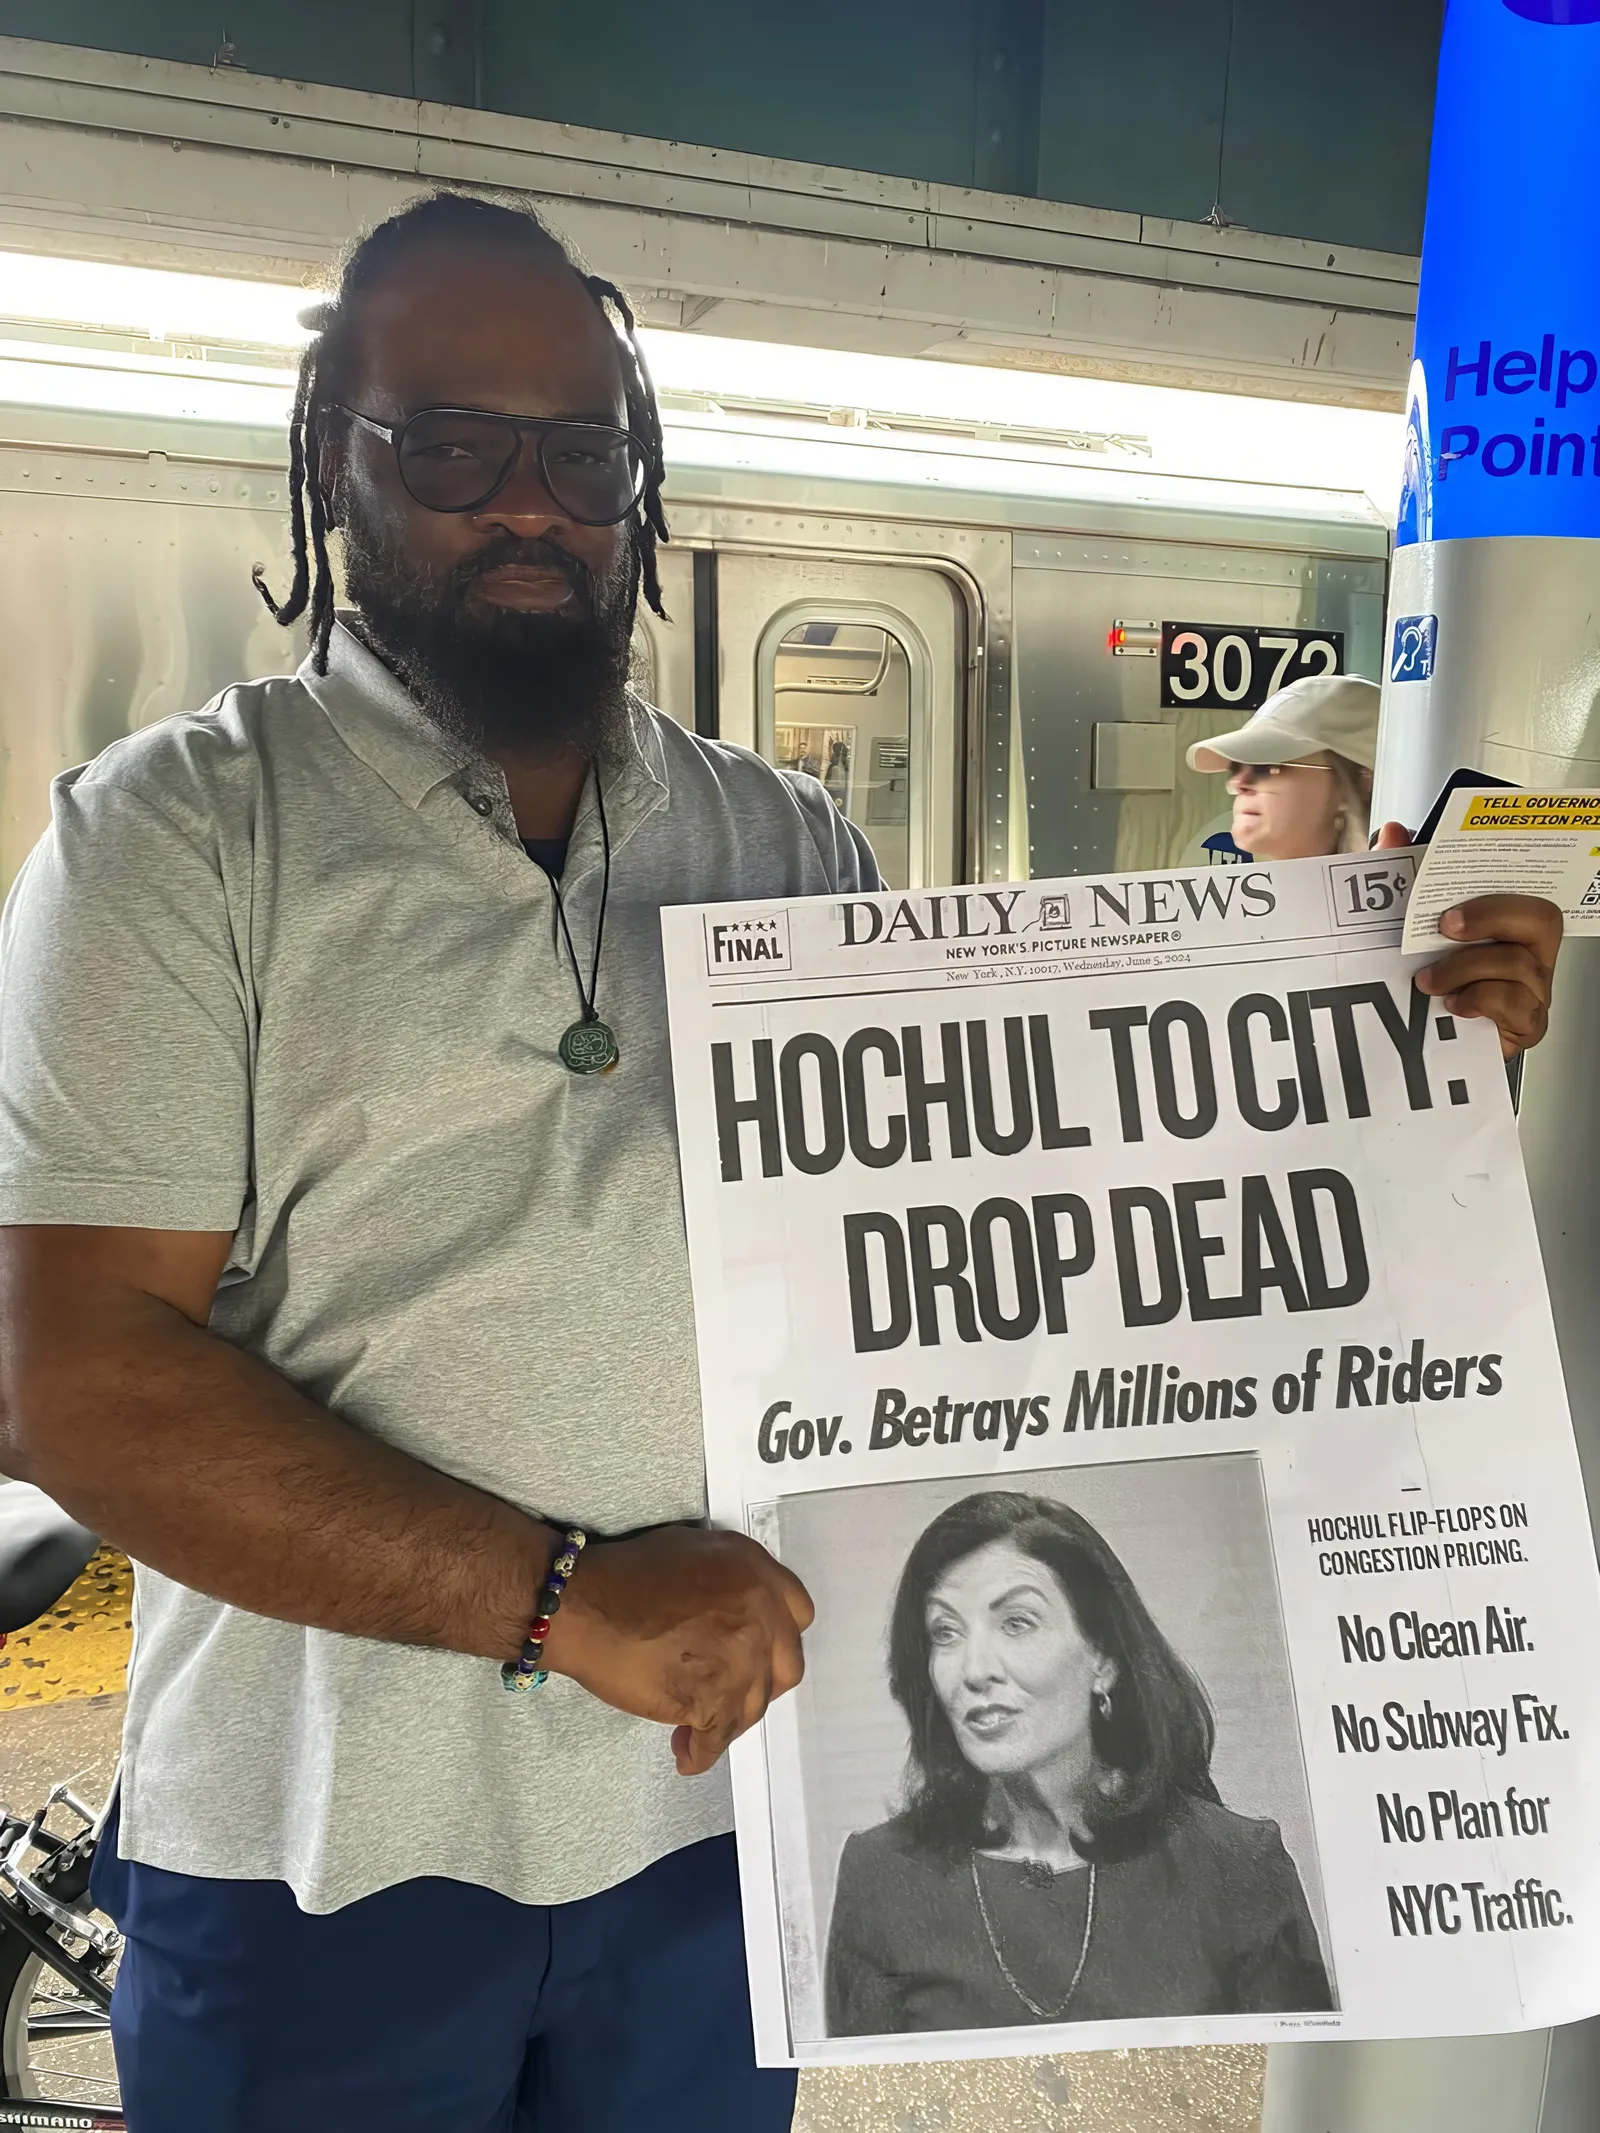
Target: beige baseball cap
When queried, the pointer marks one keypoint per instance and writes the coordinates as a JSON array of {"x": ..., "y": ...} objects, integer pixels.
[{"x": 1337, "y": 711}]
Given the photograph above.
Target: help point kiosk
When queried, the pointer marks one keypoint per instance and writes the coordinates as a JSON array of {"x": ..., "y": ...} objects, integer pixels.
[{"x": 1493, "y": 665}]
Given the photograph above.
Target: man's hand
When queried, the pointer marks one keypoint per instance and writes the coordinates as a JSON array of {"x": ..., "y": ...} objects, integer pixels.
[
  {"x": 697, "y": 1629},
  {"x": 1506, "y": 975}
]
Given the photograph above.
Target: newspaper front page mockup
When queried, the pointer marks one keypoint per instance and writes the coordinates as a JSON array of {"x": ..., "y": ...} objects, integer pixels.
[{"x": 1118, "y": 1301}]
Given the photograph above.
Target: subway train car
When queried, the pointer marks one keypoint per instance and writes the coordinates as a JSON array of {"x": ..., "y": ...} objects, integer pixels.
[{"x": 993, "y": 645}]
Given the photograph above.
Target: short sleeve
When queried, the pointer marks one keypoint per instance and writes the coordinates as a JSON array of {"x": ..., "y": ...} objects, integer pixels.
[
  {"x": 124, "y": 1022},
  {"x": 849, "y": 858},
  {"x": 862, "y": 857}
]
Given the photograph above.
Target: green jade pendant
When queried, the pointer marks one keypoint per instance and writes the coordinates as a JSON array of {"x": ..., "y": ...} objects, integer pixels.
[{"x": 589, "y": 1047}]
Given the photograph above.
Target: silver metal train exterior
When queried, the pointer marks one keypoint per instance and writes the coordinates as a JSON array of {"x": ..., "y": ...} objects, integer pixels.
[{"x": 922, "y": 618}]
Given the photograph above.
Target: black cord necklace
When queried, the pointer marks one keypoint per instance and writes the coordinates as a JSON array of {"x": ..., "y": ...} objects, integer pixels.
[{"x": 588, "y": 1046}]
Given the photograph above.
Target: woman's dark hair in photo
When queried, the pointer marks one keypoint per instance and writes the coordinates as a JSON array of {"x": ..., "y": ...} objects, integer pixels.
[
  {"x": 450, "y": 218},
  {"x": 1154, "y": 1742}
]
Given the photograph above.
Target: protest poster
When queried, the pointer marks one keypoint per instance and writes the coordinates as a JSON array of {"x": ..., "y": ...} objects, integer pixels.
[{"x": 1119, "y": 1302}]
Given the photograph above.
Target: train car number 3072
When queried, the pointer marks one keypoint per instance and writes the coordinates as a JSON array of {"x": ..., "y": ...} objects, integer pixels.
[{"x": 1229, "y": 666}]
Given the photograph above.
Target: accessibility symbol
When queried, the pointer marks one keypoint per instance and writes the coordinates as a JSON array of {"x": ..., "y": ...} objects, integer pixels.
[{"x": 1416, "y": 639}]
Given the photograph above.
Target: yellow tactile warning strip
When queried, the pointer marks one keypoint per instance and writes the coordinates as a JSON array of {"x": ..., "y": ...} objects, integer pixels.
[
  {"x": 80, "y": 1648},
  {"x": 1213, "y": 2090}
]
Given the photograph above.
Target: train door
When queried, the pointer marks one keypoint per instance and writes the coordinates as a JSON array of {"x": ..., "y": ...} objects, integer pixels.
[
  {"x": 855, "y": 672},
  {"x": 1102, "y": 741}
]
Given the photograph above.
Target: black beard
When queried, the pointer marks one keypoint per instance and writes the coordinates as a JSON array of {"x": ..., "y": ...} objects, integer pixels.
[{"x": 504, "y": 681}]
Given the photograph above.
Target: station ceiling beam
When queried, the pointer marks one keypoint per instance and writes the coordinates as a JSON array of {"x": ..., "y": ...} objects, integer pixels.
[{"x": 117, "y": 156}]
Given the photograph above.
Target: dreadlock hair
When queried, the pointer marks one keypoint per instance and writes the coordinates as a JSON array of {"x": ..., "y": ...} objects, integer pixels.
[{"x": 463, "y": 218}]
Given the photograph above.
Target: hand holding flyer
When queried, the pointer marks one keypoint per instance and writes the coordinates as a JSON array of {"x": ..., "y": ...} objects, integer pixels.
[
  {"x": 1119, "y": 1305},
  {"x": 1491, "y": 842}
]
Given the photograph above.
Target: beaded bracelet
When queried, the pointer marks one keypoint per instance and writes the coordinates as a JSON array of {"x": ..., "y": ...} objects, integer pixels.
[{"x": 525, "y": 1671}]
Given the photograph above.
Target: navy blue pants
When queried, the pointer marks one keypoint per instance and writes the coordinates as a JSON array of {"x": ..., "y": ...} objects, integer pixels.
[{"x": 437, "y": 2007}]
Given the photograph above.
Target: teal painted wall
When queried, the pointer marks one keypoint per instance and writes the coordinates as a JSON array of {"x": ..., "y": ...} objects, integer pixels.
[
  {"x": 1327, "y": 104},
  {"x": 869, "y": 84},
  {"x": 1130, "y": 104},
  {"x": 358, "y": 44},
  {"x": 1306, "y": 118}
]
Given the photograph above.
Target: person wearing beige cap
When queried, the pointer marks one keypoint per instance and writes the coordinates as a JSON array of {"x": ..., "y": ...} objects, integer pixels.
[{"x": 1300, "y": 771}]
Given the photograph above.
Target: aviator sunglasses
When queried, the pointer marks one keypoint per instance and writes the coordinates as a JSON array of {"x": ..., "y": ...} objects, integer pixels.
[{"x": 457, "y": 459}]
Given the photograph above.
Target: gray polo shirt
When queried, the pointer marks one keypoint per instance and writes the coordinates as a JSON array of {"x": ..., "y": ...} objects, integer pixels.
[{"x": 282, "y": 969}]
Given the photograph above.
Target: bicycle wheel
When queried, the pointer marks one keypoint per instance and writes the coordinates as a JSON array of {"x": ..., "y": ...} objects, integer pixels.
[{"x": 55, "y": 2044}]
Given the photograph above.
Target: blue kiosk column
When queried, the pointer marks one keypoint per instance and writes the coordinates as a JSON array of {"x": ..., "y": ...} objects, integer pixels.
[
  {"x": 1489, "y": 641},
  {"x": 1494, "y": 665}
]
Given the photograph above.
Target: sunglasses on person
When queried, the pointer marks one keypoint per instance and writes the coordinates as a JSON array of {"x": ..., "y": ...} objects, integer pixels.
[
  {"x": 458, "y": 459},
  {"x": 1264, "y": 773}
]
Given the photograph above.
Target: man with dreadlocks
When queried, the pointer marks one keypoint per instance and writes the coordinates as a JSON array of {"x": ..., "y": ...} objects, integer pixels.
[{"x": 343, "y": 1280}]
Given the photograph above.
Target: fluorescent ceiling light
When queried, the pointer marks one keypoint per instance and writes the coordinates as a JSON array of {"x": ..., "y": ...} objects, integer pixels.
[
  {"x": 700, "y": 444},
  {"x": 150, "y": 300},
  {"x": 1219, "y": 436},
  {"x": 88, "y": 382},
  {"x": 1212, "y": 436}
]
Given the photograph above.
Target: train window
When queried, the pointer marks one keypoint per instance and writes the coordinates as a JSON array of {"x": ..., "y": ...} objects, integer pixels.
[{"x": 842, "y": 710}]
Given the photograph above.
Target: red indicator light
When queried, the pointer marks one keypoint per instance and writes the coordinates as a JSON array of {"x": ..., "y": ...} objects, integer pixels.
[{"x": 1133, "y": 640}]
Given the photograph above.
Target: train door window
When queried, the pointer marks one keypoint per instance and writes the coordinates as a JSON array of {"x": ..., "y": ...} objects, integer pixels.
[
  {"x": 854, "y": 669},
  {"x": 841, "y": 709}
]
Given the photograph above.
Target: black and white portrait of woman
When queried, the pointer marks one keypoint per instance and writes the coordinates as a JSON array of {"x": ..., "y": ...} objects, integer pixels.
[{"x": 1061, "y": 1852}]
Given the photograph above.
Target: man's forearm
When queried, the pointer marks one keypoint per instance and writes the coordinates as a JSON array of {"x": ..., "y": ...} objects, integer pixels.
[{"x": 202, "y": 1462}]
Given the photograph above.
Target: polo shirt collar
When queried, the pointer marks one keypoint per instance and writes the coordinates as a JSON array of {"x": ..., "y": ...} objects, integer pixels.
[{"x": 374, "y": 714}]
